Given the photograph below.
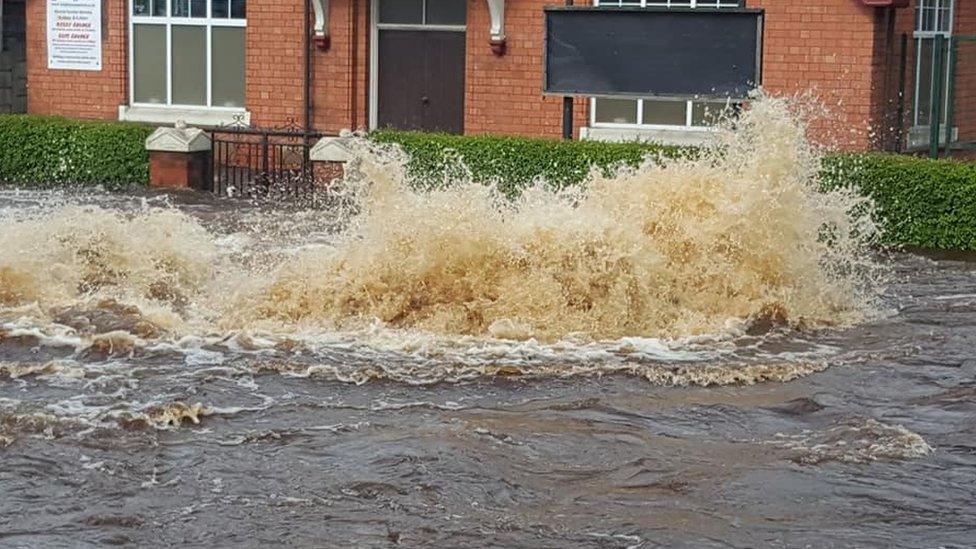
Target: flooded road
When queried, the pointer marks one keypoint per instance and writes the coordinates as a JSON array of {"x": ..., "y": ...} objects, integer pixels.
[
  {"x": 850, "y": 437},
  {"x": 704, "y": 353}
]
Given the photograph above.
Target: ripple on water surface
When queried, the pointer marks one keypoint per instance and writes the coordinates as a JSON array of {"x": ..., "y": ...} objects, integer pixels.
[{"x": 447, "y": 368}]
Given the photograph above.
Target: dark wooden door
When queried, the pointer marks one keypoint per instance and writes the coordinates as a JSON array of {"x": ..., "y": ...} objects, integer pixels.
[
  {"x": 444, "y": 99},
  {"x": 421, "y": 80}
]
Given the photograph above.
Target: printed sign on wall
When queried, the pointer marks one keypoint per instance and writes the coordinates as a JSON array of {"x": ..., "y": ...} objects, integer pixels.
[{"x": 74, "y": 34}]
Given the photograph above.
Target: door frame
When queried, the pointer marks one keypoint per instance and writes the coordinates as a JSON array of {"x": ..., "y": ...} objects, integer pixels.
[{"x": 374, "y": 55}]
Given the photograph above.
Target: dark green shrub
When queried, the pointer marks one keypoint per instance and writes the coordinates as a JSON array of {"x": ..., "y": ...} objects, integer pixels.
[
  {"x": 514, "y": 162},
  {"x": 45, "y": 150},
  {"x": 921, "y": 202}
]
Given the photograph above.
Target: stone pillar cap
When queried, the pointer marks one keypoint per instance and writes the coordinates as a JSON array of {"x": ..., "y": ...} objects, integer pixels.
[
  {"x": 333, "y": 149},
  {"x": 178, "y": 139}
]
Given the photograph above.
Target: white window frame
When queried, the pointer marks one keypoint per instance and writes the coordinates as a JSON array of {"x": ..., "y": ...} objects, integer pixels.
[
  {"x": 921, "y": 34},
  {"x": 689, "y": 103},
  {"x": 169, "y": 21}
]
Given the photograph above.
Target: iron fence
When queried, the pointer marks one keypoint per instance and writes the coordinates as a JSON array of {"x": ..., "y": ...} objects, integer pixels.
[
  {"x": 942, "y": 121},
  {"x": 263, "y": 163}
]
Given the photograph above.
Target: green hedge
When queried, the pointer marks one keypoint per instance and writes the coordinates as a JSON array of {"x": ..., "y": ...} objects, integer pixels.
[
  {"x": 513, "y": 162},
  {"x": 921, "y": 202},
  {"x": 45, "y": 150}
]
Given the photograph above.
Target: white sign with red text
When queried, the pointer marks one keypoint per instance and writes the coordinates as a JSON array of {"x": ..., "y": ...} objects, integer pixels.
[{"x": 74, "y": 35}]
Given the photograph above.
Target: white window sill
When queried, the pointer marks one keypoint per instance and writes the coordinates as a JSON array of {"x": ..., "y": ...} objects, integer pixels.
[
  {"x": 192, "y": 116},
  {"x": 676, "y": 136}
]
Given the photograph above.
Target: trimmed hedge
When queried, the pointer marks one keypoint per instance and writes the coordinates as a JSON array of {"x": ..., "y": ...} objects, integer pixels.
[
  {"x": 47, "y": 150},
  {"x": 514, "y": 162},
  {"x": 920, "y": 202}
]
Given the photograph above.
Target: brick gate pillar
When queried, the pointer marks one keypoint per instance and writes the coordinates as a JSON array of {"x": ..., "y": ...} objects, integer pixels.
[
  {"x": 179, "y": 158},
  {"x": 330, "y": 155}
]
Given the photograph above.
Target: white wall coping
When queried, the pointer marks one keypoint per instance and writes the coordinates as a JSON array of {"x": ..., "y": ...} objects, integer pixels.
[
  {"x": 171, "y": 115},
  {"x": 332, "y": 149},
  {"x": 180, "y": 139}
]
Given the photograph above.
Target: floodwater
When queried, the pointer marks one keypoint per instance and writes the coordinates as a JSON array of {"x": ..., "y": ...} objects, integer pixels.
[{"x": 196, "y": 372}]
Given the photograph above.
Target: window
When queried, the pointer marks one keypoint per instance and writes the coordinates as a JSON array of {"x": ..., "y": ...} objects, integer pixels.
[
  {"x": 660, "y": 113},
  {"x": 932, "y": 18},
  {"x": 428, "y": 13},
  {"x": 188, "y": 53}
]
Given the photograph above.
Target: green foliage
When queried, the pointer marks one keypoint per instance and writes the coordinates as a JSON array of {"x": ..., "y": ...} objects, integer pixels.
[
  {"x": 920, "y": 202},
  {"x": 511, "y": 163},
  {"x": 45, "y": 150}
]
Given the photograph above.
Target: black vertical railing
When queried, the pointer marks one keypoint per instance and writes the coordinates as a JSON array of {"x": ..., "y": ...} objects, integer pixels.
[
  {"x": 262, "y": 163},
  {"x": 938, "y": 81}
]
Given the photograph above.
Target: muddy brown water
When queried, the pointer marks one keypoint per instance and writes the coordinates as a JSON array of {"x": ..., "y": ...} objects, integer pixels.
[{"x": 338, "y": 443}]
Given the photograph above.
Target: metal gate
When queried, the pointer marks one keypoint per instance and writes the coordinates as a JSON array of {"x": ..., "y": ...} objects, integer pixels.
[{"x": 263, "y": 163}]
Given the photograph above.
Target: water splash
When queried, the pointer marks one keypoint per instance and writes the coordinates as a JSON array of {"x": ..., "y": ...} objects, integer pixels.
[
  {"x": 740, "y": 234},
  {"x": 855, "y": 442},
  {"x": 737, "y": 239},
  {"x": 156, "y": 259}
]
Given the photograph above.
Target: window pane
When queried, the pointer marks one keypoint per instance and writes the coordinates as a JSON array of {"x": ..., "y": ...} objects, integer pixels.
[
  {"x": 402, "y": 11},
  {"x": 198, "y": 8},
  {"x": 220, "y": 8},
  {"x": 928, "y": 19},
  {"x": 159, "y": 8},
  {"x": 238, "y": 9},
  {"x": 665, "y": 113},
  {"x": 709, "y": 113},
  {"x": 228, "y": 67},
  {"x": 149, "y": 60},
  {"x": 181, "y": 8},
  {"x": 616, "y": 111},
  {"x": 189, "y": 65},
  {"x": 923, "y": 85},
  {"x": 140, "y": 7},
  {"x": 447, "y": 12},
  {"x": 944, "y": 15}
]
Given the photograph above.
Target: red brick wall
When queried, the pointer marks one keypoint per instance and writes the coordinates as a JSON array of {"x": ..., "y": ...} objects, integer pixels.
[
  {"x": 274, "y": 63},
  {"x": 340, "y": 81},
  {"x": 504, "y": 93},
  {"x": 828, "y": 48},
  {"x": 833, "y": 48},
  {"x": 80, "y": 94}
]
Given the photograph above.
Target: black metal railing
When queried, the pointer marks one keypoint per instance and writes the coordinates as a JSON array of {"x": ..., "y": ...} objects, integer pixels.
[{"x": 263, "y": 163}]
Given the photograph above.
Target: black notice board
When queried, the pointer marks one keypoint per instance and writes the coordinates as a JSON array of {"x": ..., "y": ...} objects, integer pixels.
[{"x": 652, "y": 52}]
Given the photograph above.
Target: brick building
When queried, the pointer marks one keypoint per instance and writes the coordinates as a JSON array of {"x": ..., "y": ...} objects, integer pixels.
[{"x": 471, "y": 66}]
